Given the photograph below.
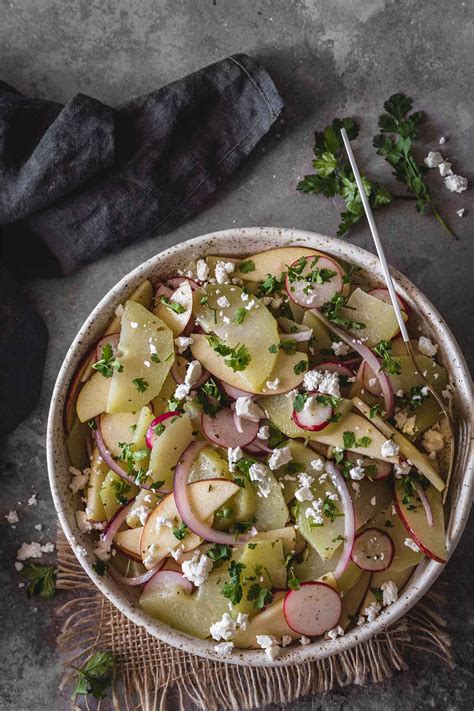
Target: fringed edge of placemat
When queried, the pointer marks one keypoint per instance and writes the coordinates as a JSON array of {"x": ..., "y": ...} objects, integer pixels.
[{"x": 148, "y": 670}]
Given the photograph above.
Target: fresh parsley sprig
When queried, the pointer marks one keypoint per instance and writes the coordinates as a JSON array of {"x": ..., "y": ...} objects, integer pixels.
[
  {"x": 390, "y": 364},
  {"x": 95, "y": 676},
  {"x": 41, "y": 580},
  {"x": 333, "y": 174},
  {"x": 108, "y": 363},
  {"x": 236, "y": 358},
  {"x": 398, "y": 130}
]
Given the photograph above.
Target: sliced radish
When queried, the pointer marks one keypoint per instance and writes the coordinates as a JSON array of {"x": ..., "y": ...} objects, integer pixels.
[
  {"x": 178, "y": 372},
  {"x": 335, "y": 366},
  {"x": 307, "y": 293},
  {"x": 167, "y": 578},
  {"x": 136, "y": 580},
  {"x": 162, "y": 290},
  {"x": 373, "y": 550},
  {"x": 222, "y": 429},
  {"x": 258, "y": 447},
  {"x": 347, "y": 507},
  {"x": 368, "y": 355},
  {"x": 112, "y": 340},
  {"x": 175, "y": 282},
  {"x": 234, "y": 393},
  {"x": 183, "y": 504},
  {"x": 151, "y": 434},
  {"x": 314, "y": 416},
  {"x": 370, "y": 381},
  {"x": 384, "y": 295},
  {"x": 313, "y": 609},
  {"x": 384, "y": 469}
]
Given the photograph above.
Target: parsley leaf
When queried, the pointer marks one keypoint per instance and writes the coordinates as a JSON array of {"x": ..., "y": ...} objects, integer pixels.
[
  {"x": 232, "y": 590},
  {"x": 180, "y": 531},
  {"x": 41, "y": 580},
  {"x": 240, "y": 314},
  {"x": 219, "y": 552},
  {"x": 391, "y": 365},
  {"x": 300, "y": 367},
  {"x": 173, "y": 305},
  {"x": 378, "y": 594},
  {"x": 260, "y": 595},
  {"x": 100, "y": 568},
  {"x": 332, "y": 310},
  {"x": 247, "y": 266},
  {"x": 334, "y": 176},
  {"x": 236, "y": 358},
  {"x": 121, "y": 488},
  {"x": 108, "y": 363},
  {"x": 140, "y": 384},
  {"x": 95, "y": 676},
  {"x": 271, "y": 284}
]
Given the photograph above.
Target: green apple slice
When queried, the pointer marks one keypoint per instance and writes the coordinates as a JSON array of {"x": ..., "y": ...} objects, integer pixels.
[
  {"x": 95, "y": 510},
  {"x": 378, "y": 317},
  {"x": 287, "y": 535},
  {"x": 314, "y": 567},
  {"x": 145, "y": 418},
  {"x": 148, "y": 353},
  {"x": 177, "y": 310},
  {"x": 93, "y": 397},
  {"x": 279, "y": 409},
  {"x": 108, "y": 493},
  {"x": 143, "y": 295},
  {"x": 407, "y": 449},
  {"x": 168, "y": 447},
  {"x": 377, "y": 579},
  {"x": 270, "y": 621},
  {"x": 352, "y": 599},
  {"x": 322, "y": 341},
  {"x": 76, "y": 444},
  {"x": 430, "y": 539},
  {"x": 160, "y": 402},
  {"x": 271, "y": 511}
]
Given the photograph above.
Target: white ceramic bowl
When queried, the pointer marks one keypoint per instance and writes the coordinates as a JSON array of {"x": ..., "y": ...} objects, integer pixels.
[{"x": 241, "y": 242}]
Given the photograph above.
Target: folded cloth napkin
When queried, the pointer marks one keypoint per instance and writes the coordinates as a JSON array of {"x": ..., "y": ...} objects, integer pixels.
[{"x": 84, "y": 179}]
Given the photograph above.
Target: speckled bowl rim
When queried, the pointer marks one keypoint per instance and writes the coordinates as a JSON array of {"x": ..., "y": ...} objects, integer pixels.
[{"x": 245, "y": 241}]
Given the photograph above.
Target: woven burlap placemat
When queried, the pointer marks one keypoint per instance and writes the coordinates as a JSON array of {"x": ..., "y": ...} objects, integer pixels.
[{"x": 151, "y": 675}]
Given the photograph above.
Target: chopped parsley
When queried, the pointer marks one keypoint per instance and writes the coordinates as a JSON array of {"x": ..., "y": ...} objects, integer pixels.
[
  {"x": 108, "y": 363},
  {"x": 154, "y": 358},
  {"x": 374, "y": 411},
  {"x": 219, "y": 552},
  {"x": 247, "y": 266},
  {"x": 211, "y": 398},
  {"x": 180, "y": 531},
  {"x": 95, "y": 676},
  {"x": 232, "y": 590},
  {"x": 41, "y": 580},
  {"x": 391, "y": 365},
  {"x": 378, "y": 594},
  {"x": 260, "y": 595},
  {"x": 349, "y": 440},
  {"x": 173, "y": 305},
  {"x": 271, "y": 284},
  {"x": 332, "y": 310},
  {"x": 121, "y": 488},
  {"x": 237, "y": 358},
  {"x": 100, "y": 568},
  {"x": 330, "y": 509},
  {"x": 140, "y": 384},
  {"x": 416, "y": 397},
  {"x": 240, "y": 315},
  {"x": 300, "y": 367}
]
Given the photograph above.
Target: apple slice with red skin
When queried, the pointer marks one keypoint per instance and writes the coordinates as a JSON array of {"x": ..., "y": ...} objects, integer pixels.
[
  {"x": 206, "y": 496},
  {"x": 430, "y": 539}
]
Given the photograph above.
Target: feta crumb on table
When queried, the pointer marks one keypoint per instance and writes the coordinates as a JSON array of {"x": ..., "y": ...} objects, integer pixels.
[
  {"x": 433, "y": 159},
  {"x": 12, "y": 517},
  {"x": 455, "y": 183}
]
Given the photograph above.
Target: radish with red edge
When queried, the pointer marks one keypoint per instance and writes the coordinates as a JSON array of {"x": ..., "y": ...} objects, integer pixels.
[
  {"x": 175, "y": 282},
  {"x": 384, "y": 295},
  {"x": 168, "y": 578},
  {"x": 303, "y": 288},
  {"x": 314, "y": 416},
  {"x": 162, "y": 290},
  {"x": 373, "y": 550},
  {"x": 151, "y": 433},
  {"x": 222, "y": 429},
  {"x": 112, "y": 340},
  {"x": 234, "y": 393},
  {"x": 313, "y": 609},
  {"x": 383, "y": 469}
]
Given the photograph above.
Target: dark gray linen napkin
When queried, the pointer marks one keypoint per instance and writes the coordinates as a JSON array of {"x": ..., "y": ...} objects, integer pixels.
[{"x": 85, "y": 179}]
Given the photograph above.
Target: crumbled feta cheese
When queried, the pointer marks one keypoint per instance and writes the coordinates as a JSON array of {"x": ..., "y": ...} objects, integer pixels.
[
  {"x": 315, "y": 512},
  {"x": 244, "y": 296},
  {"x": 12, "y": 517},
  {"x": 323, "y": 381},
  {"x": 193, "y": 372},
  {"x": 410, "y": 543},
  {"x": 223, "y": 628},
  {"x": 304, "y": 641},
  {"x": 279, "y": 457},
  {"x": 433, "y": 441},
  {"x": 263, "y": 432},
  {"x": 273, "y": 384},
  {"x": 102, "y": 551},
  {"x": 248, "y": 409},
  {"x": 79, "y": 479},
  {"x": 372, "y": 611},
  {"x": 433, "y": 159},
  {"x": 357, "y": 473},
  {"x": 182, "y": 391},
  {"x": 242, "y": 620},
  {"x": 318, "y": 464},
  {"x": 197, "y": 569},
  {"x": 139, "y": 515},
  {"x": 183, "y": 342},
  {"x": 402, "y": 469},
  {"x": 177, "y": 552},
  {"x": 399, "y": 393},
  {"x": 33, "y": 500},
  {"x": 259, "y": 472},
  {"x": 233, "y": 456},
  {"x": 269, "y": 644},
  {"x": 304, "y": 493},
  {"x": 163, "y": 521},
  {"x": 455, "y": 183},
  {"x": 119, "y": 311},
  {"x": 83, "y": 523},
  {"x": 445, "y": 168},
  {"x": 356, "y": 488},
  {"x": 389, "y": 448},
  {"x": 223, "y": 302},
  {"x": 335, "y": 632},
  {"x": 286, "y": 640},
  {"x": 224, "y": 647},
  {"x": 390, "y": 592},
  {"x": 426, "y": 347},
  {"x": 340, "y": 348},
  {"x": 29, "y": 550},
  {"x": 442, "y": 141},
  {"x": 222, "y": 271},
  {"x": 202, "y": 270},
  {"x": 460, "y": 212},
  {"x": 373, "y": 501},
  {"x": 19, "y": 566},
  {"x": 251, "y": 305}
]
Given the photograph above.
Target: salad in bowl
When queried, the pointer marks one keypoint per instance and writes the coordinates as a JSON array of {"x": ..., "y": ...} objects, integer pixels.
[{"x": 254, "y": 452}]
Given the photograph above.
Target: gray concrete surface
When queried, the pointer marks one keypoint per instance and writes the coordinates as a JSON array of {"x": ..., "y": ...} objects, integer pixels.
[{"x": 329, "y": 57}]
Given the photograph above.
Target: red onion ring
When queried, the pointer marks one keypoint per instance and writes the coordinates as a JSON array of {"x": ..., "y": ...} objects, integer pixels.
[
  {"x": 349, "y": 518},
  {"x": 368, "y": 355},
  {"x": 180, "y": 487},
  {"x": 138, "y": 579},
  {"x": 175, "y": 282},
  {"x": 426, "y": 503},
  {"x": 109, "y": 460},
  {"x": 115, "y": 522}
]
